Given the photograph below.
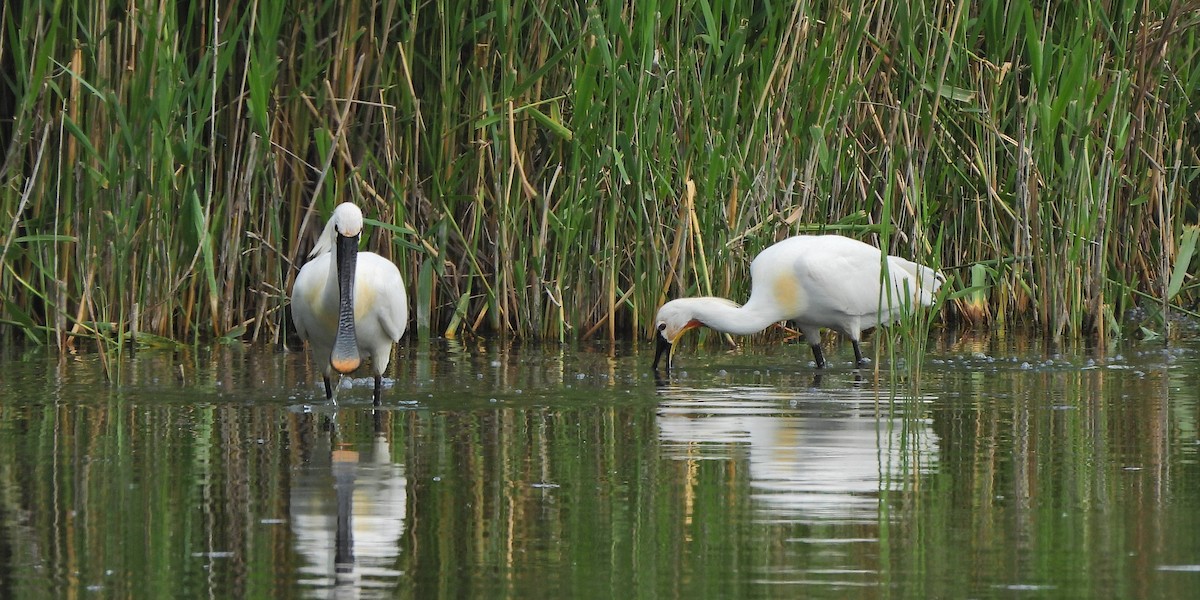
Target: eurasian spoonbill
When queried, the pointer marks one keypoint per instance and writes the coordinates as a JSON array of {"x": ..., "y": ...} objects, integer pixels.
[
  {"x": 816, "y": 281},
  {"x": 348, "y": 304}
]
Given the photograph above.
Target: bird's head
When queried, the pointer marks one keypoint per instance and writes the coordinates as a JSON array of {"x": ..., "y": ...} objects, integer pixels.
[
  {"x": 345, "y": 222},
  {"x": 672, "y": 321}
]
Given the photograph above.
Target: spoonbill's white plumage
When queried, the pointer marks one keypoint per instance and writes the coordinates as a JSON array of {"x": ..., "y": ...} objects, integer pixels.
[
  {"x": 817, "y": 281},
  {"x": 347, "y": 304}
]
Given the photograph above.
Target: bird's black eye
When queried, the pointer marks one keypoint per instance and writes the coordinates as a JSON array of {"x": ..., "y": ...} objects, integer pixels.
[{"x": 662, "y": 326}]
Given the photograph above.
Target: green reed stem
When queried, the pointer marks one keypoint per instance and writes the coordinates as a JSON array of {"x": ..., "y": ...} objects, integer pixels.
[{"x": 558, "y": 171}]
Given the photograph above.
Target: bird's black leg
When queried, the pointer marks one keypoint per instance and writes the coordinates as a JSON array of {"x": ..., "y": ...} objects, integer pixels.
[
  {"x": 378, "y": 384},
  {"x": 858, "y": 357},
  {"x": 328, "y": 389},
  {"x": 818, "y": 357}
]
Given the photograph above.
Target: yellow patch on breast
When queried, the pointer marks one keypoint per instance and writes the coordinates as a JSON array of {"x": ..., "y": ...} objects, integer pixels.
[
  {"x": 327, "y": 318},
  {"x": 364, "y": 299},
  {"x": 785, "y": 289}
]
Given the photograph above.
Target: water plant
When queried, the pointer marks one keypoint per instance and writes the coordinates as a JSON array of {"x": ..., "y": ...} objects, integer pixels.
[{"x": 558, "y": 170}]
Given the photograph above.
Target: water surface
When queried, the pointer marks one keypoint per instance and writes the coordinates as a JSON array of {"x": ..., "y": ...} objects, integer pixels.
[{"x": 1013, "y": 469}]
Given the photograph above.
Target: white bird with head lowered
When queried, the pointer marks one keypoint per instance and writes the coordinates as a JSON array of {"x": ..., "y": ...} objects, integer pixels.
[
  {"x": 817, "y": 281},
  {"x": 348, "y": 305}
]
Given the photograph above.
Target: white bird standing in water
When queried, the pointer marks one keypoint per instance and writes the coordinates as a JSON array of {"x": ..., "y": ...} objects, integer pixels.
[
  {"x": 817, "y": 281},
  {"x": 348, "y": 304}
]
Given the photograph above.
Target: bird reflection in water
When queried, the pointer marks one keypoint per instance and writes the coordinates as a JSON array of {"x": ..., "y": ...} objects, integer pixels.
[
  {"x": 348, "y": 506},
  {"x": 814, "y": 455}
]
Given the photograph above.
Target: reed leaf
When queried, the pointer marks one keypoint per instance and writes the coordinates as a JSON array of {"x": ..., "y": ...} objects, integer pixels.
[{"x": 550, "y": 170}]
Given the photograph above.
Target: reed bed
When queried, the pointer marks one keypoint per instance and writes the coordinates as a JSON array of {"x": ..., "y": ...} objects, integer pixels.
[{"x": 557, "y": 170}]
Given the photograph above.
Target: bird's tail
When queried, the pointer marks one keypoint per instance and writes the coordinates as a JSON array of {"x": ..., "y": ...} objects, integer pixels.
[{"x": 928, "y": 281}]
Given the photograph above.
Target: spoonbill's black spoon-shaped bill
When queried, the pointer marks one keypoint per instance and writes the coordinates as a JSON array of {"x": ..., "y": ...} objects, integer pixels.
[
  {"x": 817, "y": 281},
  {"x": 348, "y": 305}
]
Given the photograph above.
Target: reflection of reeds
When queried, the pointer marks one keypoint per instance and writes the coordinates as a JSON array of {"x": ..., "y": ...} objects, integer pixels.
[{"x": 559, "y": 171}]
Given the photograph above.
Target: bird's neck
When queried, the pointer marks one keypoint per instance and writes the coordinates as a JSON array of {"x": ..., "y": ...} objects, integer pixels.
[{"x": 728, "y": 317}]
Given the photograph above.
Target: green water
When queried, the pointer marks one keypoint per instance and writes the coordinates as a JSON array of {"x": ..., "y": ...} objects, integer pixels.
[{"x": 534, "y": 471}]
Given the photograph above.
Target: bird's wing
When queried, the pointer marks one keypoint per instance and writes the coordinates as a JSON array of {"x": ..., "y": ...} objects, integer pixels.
[
  {"x": 845, "y": 278},
  {"x": 387, "y": 287},
  {"x": 838, "y": 283},
  {"x": 306, "y": 293},
  {"x": 914, "y": 280},
  {"x": 397, "y": 318}
]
